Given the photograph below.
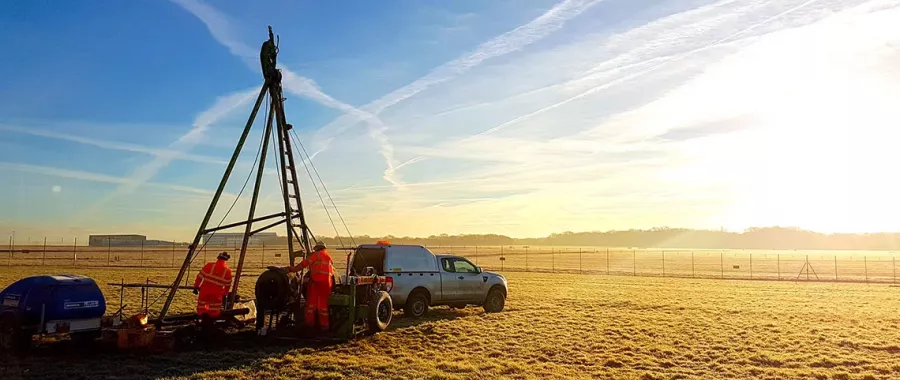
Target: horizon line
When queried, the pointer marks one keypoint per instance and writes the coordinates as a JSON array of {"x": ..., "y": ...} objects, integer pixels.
[{"x": 549, "y": 236}]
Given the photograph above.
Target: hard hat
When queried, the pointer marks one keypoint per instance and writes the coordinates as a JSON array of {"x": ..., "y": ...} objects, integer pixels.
[
  {"x": 223, "y": 256},
  {"x": 319, "y": 246}
]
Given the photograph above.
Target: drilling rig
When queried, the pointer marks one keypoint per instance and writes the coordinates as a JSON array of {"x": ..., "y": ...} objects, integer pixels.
[{"x": 358, "y": 303}]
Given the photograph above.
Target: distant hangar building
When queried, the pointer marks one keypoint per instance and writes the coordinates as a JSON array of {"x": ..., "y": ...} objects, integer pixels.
[
  {"x": 116, "y": 240},
  {"x": 236, "y": 239}
]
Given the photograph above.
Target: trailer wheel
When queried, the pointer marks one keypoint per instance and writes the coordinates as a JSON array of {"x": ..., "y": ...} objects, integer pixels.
[
  {"x": 12, "y": 338},
  {"x": 381, "y": 312}
]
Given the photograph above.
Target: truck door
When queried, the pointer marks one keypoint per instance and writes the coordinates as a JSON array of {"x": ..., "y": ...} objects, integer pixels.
[{"x": 465, "y": 283}]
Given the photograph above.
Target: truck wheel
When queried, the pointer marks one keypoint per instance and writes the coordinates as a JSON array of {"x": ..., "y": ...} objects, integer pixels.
[
  {"x": 380, "y": 312},
  {"x": 416, "y": 304},
  {"x": 495, "y": 301}
]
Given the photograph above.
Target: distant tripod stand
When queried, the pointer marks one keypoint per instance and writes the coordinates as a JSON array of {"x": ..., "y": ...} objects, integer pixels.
[{"x": 807, "y": 267}]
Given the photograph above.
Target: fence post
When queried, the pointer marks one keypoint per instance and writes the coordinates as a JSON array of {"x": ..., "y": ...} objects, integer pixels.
[
  {"x": 607, "y": 261},
  {"x": 173, "y": 254},
  {"x": 502, "y": 259},
  {"x": 75, "y": 252},
  {"x": 835, "y": 269},
  {"x": 526, "y": 258},
  {"x": 9, "y": 256},
  {"x": 692, "y": 264},
  {"x": 142, "y": 253},
  {"x": 866, "y": 267},
  {"x": 722, "y": 262},
  {"x": 633, "y": 262},
  {"x": 751, "y": 266},
  {"x": 664, "y": 263},
  {"x": 44, "y": 252}
]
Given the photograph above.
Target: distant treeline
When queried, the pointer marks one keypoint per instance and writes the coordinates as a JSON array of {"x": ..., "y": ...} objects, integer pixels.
[{"x": 752, "y": 238}]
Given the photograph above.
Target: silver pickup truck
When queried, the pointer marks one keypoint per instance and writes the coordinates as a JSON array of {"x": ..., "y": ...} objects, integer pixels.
[{"x": 423, "y": 279}]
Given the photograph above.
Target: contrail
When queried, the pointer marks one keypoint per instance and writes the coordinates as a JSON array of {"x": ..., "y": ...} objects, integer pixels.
[
  {"x": 114, "y": 145},
  {"x": 220, "y": 28},
  {"x": 639, "y": 73},
  {"x": 511, "y": 41},
  {"x": 140, "y": 175},
  {"x": 662, "y": 62},
  {"x": 88, "y": 176}
]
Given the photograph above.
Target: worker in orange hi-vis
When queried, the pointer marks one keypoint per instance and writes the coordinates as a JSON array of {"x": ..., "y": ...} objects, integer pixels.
[
  {"x": 321, "y": 271},
  {"x": 214, "y": 282}
]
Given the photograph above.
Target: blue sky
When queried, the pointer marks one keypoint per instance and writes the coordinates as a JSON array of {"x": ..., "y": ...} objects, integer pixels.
[{"x": 515, "y": 117}]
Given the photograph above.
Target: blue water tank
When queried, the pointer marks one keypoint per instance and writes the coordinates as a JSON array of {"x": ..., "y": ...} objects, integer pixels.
[{"x": 63, "y": 297}]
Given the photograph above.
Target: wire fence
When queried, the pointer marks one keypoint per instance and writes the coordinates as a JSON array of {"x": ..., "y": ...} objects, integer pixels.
[
  {"x": 836, "y": 266},
  {"x": 842, "y": 266}
]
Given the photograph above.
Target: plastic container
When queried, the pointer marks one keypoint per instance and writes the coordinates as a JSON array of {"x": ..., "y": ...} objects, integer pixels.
[{"x": 55, "y": 304}]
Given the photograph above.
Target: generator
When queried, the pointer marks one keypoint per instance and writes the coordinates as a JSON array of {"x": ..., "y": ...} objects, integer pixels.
[
  {"x": 50, "y": 305},
  {"x": 357, "y": 305}
]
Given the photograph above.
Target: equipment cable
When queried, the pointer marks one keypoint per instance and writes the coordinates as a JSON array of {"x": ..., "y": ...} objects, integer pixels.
[
  {"x": 278, "y": 165},
  {"x": 306, "y": 166},
  {"x": 308, "y": 163},
  {"x": 238, "y": 197},
  {"x": 244, "y": 187}
]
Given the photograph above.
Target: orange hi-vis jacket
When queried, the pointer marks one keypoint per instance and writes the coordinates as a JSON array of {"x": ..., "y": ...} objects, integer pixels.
[
  {"x": 321, "y": 267},
  {"x": 214, "y": 276},
  {"x": 214, "y": 281}
]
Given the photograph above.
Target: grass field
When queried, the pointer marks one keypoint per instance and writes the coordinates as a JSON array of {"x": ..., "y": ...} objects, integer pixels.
[
  {"x": 559, "y": 326},
  {"x": 861, "y": 266}
]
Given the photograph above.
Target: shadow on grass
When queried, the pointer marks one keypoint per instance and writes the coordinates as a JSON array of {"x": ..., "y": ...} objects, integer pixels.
[
  {"x": 64, "y": 361},
  {"x": 433, "y": 315},
  {"x": 242, "y": 351}
]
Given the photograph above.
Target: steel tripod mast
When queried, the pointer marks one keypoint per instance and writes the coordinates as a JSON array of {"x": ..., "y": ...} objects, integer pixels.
[{"x": 293, "y": 206}]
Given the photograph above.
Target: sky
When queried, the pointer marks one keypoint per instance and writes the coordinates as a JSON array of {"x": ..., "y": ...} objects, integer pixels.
[{"x": 521, "y": 118}]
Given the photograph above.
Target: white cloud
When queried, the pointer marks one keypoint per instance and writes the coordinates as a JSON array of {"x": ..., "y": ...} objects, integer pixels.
[
  {"x": 56, "y": 189},
  {"x": 219, "y": 25},
  {"x": 144, "y": 173},
  {"x": 596, "y": 129},
  {"x": 732, "y": 113},
  {"x": 114, "y": 145},
  {"x": 222, "y": 29},
  {"x": 89, "y": 176},
  {"x": 511, "y": 41},
  {"x": 223, "y": 106}
]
